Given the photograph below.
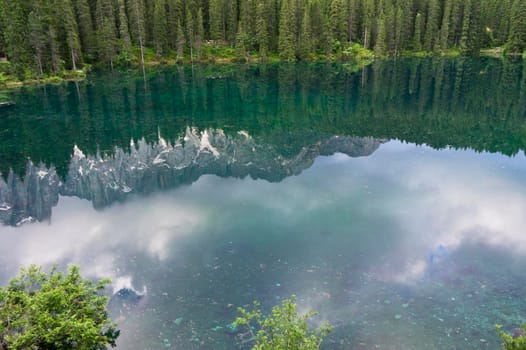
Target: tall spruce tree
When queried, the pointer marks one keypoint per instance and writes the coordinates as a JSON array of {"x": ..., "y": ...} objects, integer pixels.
[
  {"x": 190, "y": 31},
  {"x": 181, "y": 41},
  {"x": 444, "y": 28},
  {"x": 432, "y": 25},
  {"x": 217, "y": 20},
  {"x": 470, "y": 35},
  {"x": 53, "y": 27},
  {"x": 160, "y": 28},
  {"x": 306, "y": 40},
  {"x": 262, "y": 35},
  {"x": 106, "y": 31},
  {"x": 380, "y": 47},
  {"x": 517, "y": 38},
  {"x": 38, "y": 36},
  {"x": 69, "y": 22},
  {"x": 286, "y": 42},
  {"x": 16, "y": 36},
  {"x": 353, "y": 19},
  {"x": 417, "y": 34},
  {"x": 85, "y": 26},
  {"x": 338, "y": 20},
  {"x": 137, "y": 24},
  {"x": 124, "y": 31},
  {"x": 199, "y": 33},
  {"x": 368, "y": 21}
]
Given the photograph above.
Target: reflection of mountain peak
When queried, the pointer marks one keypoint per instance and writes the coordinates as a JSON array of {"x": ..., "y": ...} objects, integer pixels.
[{"x": 147, "y": 168}]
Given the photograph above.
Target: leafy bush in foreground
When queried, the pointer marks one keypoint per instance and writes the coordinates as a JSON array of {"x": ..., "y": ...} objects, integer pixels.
[
  {"x": 510, "y": 342},
  {"x": 283, "y": 329},
  {"x": 54, "y": 311}
]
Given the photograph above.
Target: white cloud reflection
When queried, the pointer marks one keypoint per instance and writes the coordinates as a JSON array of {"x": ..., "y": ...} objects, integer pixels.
[
  {"x": 447, "y": 199},
  {"x": 432, "y": 198},
  {"x": 77, "y": 234}
]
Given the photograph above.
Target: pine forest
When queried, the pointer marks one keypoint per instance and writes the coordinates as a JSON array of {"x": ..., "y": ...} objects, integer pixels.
[{"x": 47, "y": 37}]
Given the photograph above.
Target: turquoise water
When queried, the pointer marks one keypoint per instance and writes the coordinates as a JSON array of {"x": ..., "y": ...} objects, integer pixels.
[{"x": 391, "y": 199}]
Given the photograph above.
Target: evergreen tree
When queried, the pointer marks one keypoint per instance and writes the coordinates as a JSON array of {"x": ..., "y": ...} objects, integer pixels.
[
  {"x": 241, "y": 42},
  {"x": 399, "y": 30},
  {"x": 85, "y": 27},
  {"x": 160, "y": 28},
  {"x": 517, "y": 39},
  {"x": 174, "y": 16},
  {"x": 444, "y": 28},
  {"x": 353, "y": 18},
  {"x": 368, "y": 17},
  {"x": 38, "y": 37},
  {"x": 272, "y": 21},
  {"x": 432, "y": 25},
  {"x": 137, "y": 30},
  {"x": 247, "y": 16},
  {"x": 455, "y": 24},
  {"x": 16, "y": 36},
  {"x": 318, "y": 34},
  {"x": 232, "y": 22},
  {"x": 338, "y": 20},
  {"x": 305, "y": 43},
  {"x": 380, "y": 47},
  {"x": 262, "y": 36},
  {"x": 200, "y": 33},
  {"x": 408, "y": 25},
  {"x": 190, "y": 32},
  {"x": 124, "y": 31},
  {"x": 106, "y": 31},
  {"x": 417, "y": 36},
  {"x": 69, "y": 22},
  {"x": 503, "y": 18},
  {"x": 180, "y": 41},
  {"x": 217, "y": 22},
  {"x": 391, "y": 26},
  {"x": 470, "y": 36},
  {"x": 46, "y": 36},
  {"x": 286, "y": 40},
  {"x": 54, "y": 45}
]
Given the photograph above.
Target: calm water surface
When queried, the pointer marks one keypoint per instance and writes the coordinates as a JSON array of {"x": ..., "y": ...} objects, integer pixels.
[{"x": 391, "y": 199}]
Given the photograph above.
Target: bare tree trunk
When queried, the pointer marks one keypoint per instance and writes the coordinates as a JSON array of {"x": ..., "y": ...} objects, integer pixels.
[
  {"x": 73, "y": 60},
  {"x": 140, "y": 34}
]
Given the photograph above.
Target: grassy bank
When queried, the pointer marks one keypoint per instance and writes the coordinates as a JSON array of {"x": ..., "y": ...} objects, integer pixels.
[
  {"x": 10, "y": 80},
  {"x": 218, "y": 53}
]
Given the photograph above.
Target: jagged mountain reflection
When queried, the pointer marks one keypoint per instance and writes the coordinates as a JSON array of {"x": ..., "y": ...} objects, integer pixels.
[
  {"x": 462, "y": 103},
  {"x": 290, "y": 113},
  {"x": 147, "y": 168}
]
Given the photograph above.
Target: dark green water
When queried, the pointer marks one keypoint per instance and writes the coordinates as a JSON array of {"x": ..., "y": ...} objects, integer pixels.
[{"x": 390, "y": 199}]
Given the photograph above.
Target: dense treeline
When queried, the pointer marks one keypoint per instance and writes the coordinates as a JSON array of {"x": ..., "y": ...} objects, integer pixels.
[
  {"x": 463, "y": 103},
  {"x": 47, "y": 36}
]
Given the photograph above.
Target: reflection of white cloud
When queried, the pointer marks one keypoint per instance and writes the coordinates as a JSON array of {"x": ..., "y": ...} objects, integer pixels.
[
  {"x": 98, "y": 240},
  {"x": 440, "y": 198},
  {"x": 454, "y": 199}
]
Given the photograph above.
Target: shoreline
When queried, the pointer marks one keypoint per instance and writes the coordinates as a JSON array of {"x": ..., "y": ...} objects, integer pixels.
[{"x": 362, "y": 57}]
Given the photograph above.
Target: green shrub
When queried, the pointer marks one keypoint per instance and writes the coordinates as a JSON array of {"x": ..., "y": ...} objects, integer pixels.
[
  {"x": 283, "y": 329},
  {"x": 54, "y": 311},
  {"x": 512, "y": 343},
  {"x": 3, "y": 79},
  {"x": 358, "y": 52}
]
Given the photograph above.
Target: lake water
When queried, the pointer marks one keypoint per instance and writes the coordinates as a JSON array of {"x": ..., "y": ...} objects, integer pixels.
[{"x": 391, "y": 199}]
